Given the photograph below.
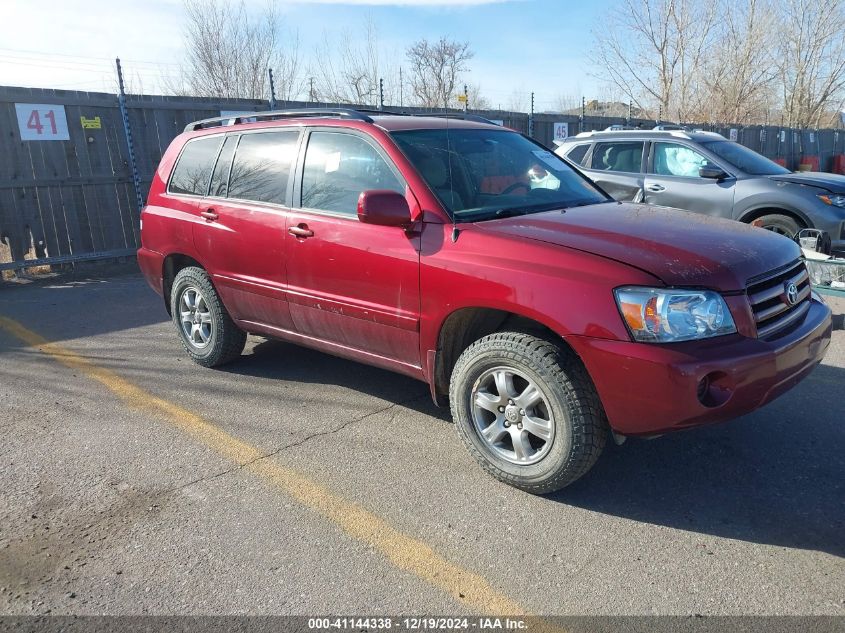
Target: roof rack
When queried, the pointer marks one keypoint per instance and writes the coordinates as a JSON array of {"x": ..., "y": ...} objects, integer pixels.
[
  {"x": 459, "y": 115},
  {"x": 466, "y": 116},
  {"x": 343, "y": 113},
  {"x": 635, "y": 132}
]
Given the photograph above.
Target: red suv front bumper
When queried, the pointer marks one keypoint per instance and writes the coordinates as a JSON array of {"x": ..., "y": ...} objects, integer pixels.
[{"x": 648, "y": 388}]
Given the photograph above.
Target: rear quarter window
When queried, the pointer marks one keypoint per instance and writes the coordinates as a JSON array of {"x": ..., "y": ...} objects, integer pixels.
[
  {"x": 193, "y": 169},
  {"x": 578, "y": 153}
]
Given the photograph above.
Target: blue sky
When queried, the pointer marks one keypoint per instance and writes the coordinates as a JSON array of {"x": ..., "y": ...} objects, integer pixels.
[{"x": 520, "y": 45}]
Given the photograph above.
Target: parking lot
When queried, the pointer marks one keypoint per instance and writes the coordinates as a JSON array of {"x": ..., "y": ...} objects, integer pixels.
[{"x": 292, "y": 482}]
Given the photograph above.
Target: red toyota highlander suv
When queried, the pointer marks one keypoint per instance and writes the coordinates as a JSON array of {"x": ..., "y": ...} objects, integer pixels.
[{"x": 470, "y": 257}]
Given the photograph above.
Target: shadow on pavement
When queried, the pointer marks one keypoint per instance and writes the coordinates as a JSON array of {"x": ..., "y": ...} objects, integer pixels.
[
  {"x": 64, "y": 308},
  {"x": 774, "y": 477},
  {"x": 284, "y": 361}
]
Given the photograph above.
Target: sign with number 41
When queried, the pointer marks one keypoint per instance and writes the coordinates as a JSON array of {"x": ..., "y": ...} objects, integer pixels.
[{"x": 40, "y": 122}]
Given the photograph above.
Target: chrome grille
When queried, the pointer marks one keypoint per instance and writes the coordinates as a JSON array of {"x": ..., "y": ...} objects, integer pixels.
[{"x": 770, "y": 303}]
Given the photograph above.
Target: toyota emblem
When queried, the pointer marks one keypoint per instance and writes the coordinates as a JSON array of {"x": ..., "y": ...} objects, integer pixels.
[{"x": 791, "y": 293}]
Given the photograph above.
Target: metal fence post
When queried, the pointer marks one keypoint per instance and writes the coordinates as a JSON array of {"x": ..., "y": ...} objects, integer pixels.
[
  {"x": 272, "y": 89},
  {"x": 127, "y": 130},
  {"x": 531, "y": 118},
  {"x": 583, "y": 112}
]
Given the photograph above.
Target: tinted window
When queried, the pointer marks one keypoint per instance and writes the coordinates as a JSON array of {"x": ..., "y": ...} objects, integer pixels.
[
  {"x": 621, "y": 156},
  {"x": 193, "y": 169},
  {"x": 745, "y": 159},
  {"x": 262, "y": 165},
  {"x": 487, "y": 173},
  {"x": 220, "y": 177},
  {"x": 338, "y": 167},
  {"x": 577, "y": 153},
  {"x": 672, "y": 159}
]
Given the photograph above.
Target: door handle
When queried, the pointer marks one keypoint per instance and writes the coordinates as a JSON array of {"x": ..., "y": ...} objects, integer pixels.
[
  {"x": 209, "y": 214},
  {"x": 656, "y": 188},
  {"x": 301, "y": 231}
]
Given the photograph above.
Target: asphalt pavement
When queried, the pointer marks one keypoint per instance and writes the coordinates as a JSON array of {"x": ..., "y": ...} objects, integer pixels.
[{"x": 291, "y": 482}]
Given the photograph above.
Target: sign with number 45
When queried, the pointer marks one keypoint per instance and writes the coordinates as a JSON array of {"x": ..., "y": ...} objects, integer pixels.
[{"x": 40, "y": 122}]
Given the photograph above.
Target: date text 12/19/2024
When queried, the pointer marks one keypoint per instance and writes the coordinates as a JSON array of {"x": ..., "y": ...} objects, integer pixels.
[{"x": 417, "y": 623}]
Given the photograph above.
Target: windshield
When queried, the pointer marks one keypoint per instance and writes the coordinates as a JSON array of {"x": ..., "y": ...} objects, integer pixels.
[
  {"x": 484, "y": 173},
  {"x": 745, "y": 159}
]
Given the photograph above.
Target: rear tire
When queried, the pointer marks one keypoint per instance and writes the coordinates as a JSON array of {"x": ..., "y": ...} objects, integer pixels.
[
  {"x": 781, "y": 224},
  {"x": 513, "y": 379},
  {"x": 203, "y": 324}
]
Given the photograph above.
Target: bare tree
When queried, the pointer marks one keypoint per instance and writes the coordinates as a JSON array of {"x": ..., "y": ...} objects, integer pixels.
[
  {"x": 435, "y": 69},
  {"x": 228, "y": 52},
  {"x": 519, "y": 101},
  {"x": 740, "y": 75},
  {"x": 651, "y": 50},
  {"x": 812, "y": 59},
  {"x": 476, "y": 99},
  {"x": 347, "y": 69},
  {"x": 564, "y": 102}
]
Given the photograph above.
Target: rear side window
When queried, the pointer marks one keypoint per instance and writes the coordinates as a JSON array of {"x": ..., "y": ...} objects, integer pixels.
[
  {"x": 194, "y": 167},
  {"x": 577, "y": 153},
  {"x": 220, "y": 177},
  {"x": 262, "y": 166},
  {"x": 625, "y": 156},
  {"x": 338, "y": 167}
]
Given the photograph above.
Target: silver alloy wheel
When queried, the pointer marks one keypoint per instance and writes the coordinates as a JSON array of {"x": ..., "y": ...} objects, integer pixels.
[
  {"x": 512, "y": 416},
  {"x": 776, "y": 229},
  {"x": 195, "y": 317}
]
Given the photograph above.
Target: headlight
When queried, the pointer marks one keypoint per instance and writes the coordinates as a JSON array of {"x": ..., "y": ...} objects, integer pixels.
[
  {"x": 833, "y": 199},
  {"x": 667, "y": 315}
]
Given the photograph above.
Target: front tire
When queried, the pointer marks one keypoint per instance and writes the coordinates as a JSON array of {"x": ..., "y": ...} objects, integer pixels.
[
  {"x": 780, "y": 224},
  {"x": 206, "y": 330},
  {"x": 527, "y": 411}
]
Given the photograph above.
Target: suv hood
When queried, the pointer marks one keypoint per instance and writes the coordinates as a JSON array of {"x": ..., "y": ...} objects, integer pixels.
[
  {"x": 678, "y": 247},
  {"x": 834, "y": 183}
]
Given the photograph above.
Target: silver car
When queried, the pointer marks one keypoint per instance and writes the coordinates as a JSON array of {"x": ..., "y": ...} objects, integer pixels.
[{"x": 706, "y": 173}]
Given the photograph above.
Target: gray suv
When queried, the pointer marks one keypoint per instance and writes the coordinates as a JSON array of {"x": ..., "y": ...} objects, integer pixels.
[{"x": 706, "y": 173}]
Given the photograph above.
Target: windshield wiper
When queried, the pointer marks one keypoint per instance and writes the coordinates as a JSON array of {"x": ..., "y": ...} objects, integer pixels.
[{"x": 510, "y": 212}]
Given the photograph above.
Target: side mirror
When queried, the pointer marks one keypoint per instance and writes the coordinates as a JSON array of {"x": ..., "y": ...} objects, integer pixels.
[
  {"x": 383, "y": 207},
  {"x": 713, "y": 173}
]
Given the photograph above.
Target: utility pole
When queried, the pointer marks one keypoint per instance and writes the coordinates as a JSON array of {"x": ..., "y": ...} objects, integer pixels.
[
  {"x": 531, "y": 118},
  {"x": 401, "y": 88},
  {"x": 272, "y": 89},
  {"x": 127, "y": 130},
  {"x": 466, "y": 99},
  {"x": 630, "y": 111},
  {"x": 381, "y": 94}
]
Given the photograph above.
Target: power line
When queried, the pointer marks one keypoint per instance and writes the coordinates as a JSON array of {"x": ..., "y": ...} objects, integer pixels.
[{"x": 107, "y": 60}]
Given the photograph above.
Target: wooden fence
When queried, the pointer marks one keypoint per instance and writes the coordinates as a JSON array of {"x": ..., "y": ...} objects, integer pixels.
[{"x": 72, "y": 198}]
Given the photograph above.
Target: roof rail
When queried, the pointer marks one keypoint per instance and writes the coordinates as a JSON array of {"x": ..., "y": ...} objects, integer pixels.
[
  {"x": 343, "y": 113},
  {"x": 466, "y": 116},
  {"x": 456, "y": 115}
]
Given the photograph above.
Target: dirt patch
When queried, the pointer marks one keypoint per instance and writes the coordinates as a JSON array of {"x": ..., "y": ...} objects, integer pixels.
[{"x": 56, "y": 539}]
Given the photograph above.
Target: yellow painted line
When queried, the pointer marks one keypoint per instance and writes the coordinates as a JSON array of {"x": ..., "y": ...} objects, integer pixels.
[{"x": 405, "y": 552}]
